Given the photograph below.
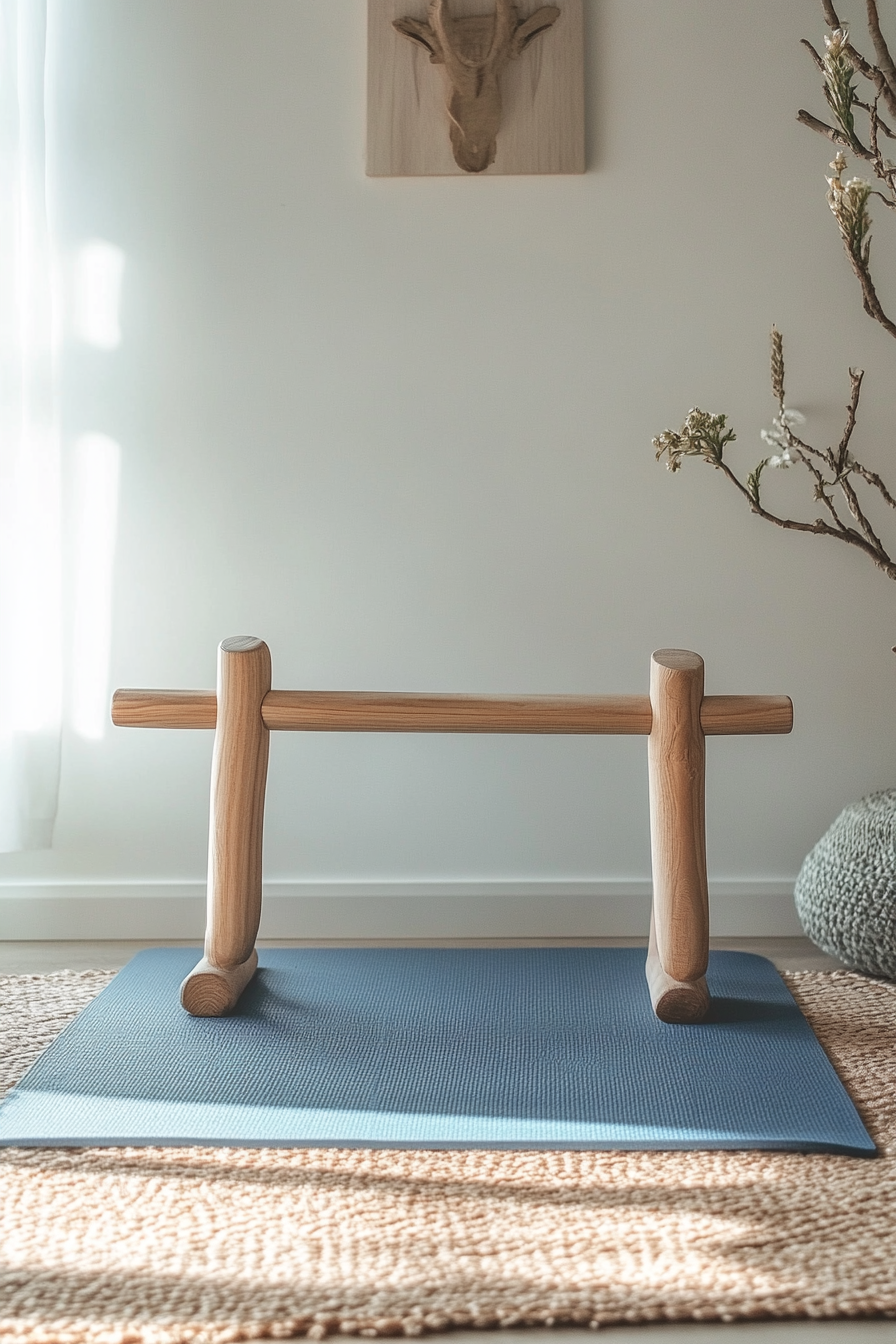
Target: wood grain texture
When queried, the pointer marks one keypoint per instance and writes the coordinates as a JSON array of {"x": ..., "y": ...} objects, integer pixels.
[
  {"x": 239, "y": 775},
  {"x": 164, "y": 709},
  {"x": 351, "y": 711},
  {"x": 676, "y": 770},
  {"x": 674, "y": 1000},
  {"x": 369, "y": 711},
  {"x": 542, "y": 93},
  {"x": 211, "y": 991},
  {"x": 723, "y": 715}
]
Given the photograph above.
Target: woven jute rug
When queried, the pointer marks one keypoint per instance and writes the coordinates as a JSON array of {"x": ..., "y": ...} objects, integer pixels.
[{"x": 206, "y": 1245}]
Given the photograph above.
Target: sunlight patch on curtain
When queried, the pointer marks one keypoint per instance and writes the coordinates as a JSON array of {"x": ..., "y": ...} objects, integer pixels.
[
  {"x": 30, "y": 467},
  {"x": 95, "y": 511}
]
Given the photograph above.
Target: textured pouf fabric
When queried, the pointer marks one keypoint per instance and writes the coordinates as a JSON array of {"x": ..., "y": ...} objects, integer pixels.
[{"x": 846, "y": 891}]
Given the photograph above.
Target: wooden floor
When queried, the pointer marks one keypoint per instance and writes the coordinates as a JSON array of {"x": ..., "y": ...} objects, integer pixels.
[
  {"x": 32, "y": 958},
  {"x": 788, "y": 954}
]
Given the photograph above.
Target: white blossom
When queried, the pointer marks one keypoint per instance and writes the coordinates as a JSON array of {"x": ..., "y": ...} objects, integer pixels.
[
  {"x": 836, "y": 42},
  {"x": 778, "y": 437},
  {"x": 789, "y": 416}
]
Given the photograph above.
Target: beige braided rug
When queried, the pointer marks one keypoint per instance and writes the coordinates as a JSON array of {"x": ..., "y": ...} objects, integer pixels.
[{"x": 158, "y": 1246}]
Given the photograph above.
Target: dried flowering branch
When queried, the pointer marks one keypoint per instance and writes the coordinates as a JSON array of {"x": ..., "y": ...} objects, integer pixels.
[
  {"x": 835, "y": 472},
  {"x": 837, "y": 476}
]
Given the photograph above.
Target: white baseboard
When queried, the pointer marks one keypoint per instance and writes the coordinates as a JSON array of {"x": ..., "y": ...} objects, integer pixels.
[{"x": 176, "y": 910}]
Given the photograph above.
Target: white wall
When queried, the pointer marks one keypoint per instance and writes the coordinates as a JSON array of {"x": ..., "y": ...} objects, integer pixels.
[{"x": 401, "y": 429}]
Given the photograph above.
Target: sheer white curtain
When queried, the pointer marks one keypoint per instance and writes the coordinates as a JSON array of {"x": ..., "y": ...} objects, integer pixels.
[{"x": 30, "y": 468}]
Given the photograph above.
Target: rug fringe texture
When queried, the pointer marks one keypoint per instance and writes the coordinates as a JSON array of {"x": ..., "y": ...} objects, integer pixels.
[{"x": 215, "y": 1245}]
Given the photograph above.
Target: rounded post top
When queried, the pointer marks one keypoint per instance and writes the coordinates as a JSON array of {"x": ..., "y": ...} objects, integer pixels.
[
  {"x": 677, "y": 660},
  {"x": 240, "y": 644}
]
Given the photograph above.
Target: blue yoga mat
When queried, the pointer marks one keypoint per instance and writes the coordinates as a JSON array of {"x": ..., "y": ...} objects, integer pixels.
[{"x": 438, "y": 1048}]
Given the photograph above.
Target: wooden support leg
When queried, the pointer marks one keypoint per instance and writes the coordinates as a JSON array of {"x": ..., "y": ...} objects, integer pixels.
[
  {"x": 679, "y": 941},
  {"x": 239, "y": 775}
]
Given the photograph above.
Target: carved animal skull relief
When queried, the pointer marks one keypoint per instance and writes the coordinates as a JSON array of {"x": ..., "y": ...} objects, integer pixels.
[
  {"x": 475, "y": 88},
  {"x": 474, "y": 51}
]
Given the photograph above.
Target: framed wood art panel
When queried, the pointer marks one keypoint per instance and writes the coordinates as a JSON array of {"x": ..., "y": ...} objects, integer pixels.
[{"x": 475, "y": 87}]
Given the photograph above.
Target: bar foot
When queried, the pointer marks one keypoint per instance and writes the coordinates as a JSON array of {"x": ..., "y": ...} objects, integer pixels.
[
  {"x": 212, "y": 991},
  {"x": 675, "y": 1000}
]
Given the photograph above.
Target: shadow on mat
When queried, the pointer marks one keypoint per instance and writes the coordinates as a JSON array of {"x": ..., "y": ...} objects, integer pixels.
[{"x": 722, "y": 1010}]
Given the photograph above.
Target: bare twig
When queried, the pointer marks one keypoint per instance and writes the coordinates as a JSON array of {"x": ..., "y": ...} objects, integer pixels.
[
  {"x": 877, "y": 121},
  {"x": 855, "y": 391},
  {"x": 821, "y": 492},
  {"x": 838, "y": 138},
  {"x": 884, "y": 169},
  {"x": 857, "y": 513},
  {"x": 830, "y": 14},
  {"x": 804, "y": 42},
  {"x": 870, "y": 302},
  {"x": 882, "y": 51},
  {"x": 794, "y": 441},
  {"x": 819, "y": 528},
  {"x": 876, "y": 77},
  {"x": 872, "y": 478}
]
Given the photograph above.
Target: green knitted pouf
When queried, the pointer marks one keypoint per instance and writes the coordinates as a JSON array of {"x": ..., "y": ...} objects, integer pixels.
[{"x": 846, "y": 891}]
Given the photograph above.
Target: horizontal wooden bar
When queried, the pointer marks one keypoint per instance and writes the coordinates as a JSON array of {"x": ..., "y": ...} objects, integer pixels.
[
  {"x": 365, "y": 712},
  {"x": 374, "y": 712},
  {"x": 723, "y": 715},
  {"x": 165, "y": 709}
]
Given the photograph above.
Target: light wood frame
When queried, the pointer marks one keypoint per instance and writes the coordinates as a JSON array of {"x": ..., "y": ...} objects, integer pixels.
[{"x": 676, "y": 718}]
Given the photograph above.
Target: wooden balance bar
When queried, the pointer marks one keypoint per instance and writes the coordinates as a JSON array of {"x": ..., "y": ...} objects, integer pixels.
[{"x": 675, "y": 718}]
